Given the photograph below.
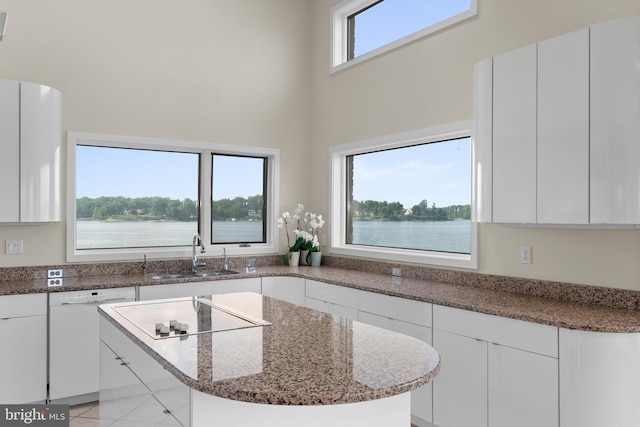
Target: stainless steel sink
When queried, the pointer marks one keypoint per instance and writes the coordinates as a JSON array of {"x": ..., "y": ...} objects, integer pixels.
[{"x": 190, "y": 275}]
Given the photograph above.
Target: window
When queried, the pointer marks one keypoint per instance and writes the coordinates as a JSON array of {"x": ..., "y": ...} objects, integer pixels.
[
  {"x": 406, "y": 198},
  {"x": 362, "y": 29},
  {"x": 130, "y": 197},
  {"x": 237, "y": 203}
]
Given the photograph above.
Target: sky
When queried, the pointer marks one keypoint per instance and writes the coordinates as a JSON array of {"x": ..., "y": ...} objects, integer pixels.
[
  {"x": 389, "y": 177},
  {"x": 438, "y": 172},
  {"x": 391, "y": 20},
  {"x": 144, "y": 173}
]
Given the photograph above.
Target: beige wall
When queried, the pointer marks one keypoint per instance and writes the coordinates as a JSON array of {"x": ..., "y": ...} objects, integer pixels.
[
  {"x": 221, "y": 71},
  {"x": 430, "y": 82},
  {"x": 256, "y": 72}
]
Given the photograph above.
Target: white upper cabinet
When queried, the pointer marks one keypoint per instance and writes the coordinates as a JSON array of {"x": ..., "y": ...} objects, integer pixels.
[
  {"x": 482, "y": 151},
  {"x": 615, "y": 122},
  {"x": 560, "y": 123},
  {"x": 514, "y": 136},
  {"x": 10, "y": 150},
  {"x": 30, "y": 130},
  {"x": 563, "y": 129}
]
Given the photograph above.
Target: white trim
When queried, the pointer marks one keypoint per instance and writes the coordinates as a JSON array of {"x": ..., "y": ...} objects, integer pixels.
[
  {"x": 338, "y": 155},
  {"x": 203, "y": 148},
  {"x": 339, "y": 33}
]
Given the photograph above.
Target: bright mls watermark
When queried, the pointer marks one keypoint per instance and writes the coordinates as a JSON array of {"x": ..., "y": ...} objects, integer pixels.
[{"x": 34, "y": 415}]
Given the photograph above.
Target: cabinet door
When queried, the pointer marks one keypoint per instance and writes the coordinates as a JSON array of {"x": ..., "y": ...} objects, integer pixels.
[
  {"x": 124, "y": 399},
  {"x": 599, "y": 379},
  {"x": 523, "y": 388},
  {"x": 24, "y": 359},
  {"x": 482, "y": 140},
  {"x": 40, "y": 132},
  {"x": 10, "y": 150},
  {"x": 421, "y": 399},
  {"x": 290, "y": 289},
  {"x": 563, "y": 129},
  {"x": 460, "y": 389},
  {"x": 514, "y": 136},
  {"x": 615, "y": 128}
]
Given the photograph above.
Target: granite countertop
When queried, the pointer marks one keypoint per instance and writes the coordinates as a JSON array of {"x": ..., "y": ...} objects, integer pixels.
[
  {"x": 512, "y": 304},
  {"x": 304, "y": 357}
]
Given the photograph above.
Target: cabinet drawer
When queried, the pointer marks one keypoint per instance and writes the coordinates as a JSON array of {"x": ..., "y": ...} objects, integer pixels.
[
  {"x": 528, "y": 336},
  {"x": 214, "y": 287},
  {"x": 407, "y": 310},
  {"x": 332, "y": 293},
  {"x": 290, "y": 289},
  {"x": 23, "y": 305}
]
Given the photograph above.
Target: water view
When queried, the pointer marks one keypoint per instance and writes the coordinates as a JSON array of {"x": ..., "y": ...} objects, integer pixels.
[
  {"x": 446, "y": 236},
  {"x": 441, "y": 236}
]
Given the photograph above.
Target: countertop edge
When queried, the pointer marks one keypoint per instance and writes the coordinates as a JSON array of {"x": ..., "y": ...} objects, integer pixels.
[
  {"x": 276, "y": 398},
  {"x": 537, "y": 309}
]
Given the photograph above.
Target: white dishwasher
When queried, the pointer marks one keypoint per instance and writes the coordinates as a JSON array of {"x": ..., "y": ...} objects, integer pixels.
[{"x": 74, "y": 342}]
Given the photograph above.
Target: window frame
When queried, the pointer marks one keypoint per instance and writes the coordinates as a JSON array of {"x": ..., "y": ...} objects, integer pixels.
[
  {"x": 265, "y": 189},
  {"x": 339, "y": 28},
  {"x": 338, "y": 198},
  {"x": 205, "y": 149}
]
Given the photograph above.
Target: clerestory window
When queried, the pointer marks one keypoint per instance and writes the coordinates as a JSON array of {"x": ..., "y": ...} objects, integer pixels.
[{"x": 362, "y": 29}]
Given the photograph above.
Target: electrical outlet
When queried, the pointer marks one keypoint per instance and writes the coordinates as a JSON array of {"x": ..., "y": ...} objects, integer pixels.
[
  {"x": 323, "y": 240},
  {"x": 396, "y": 271},
  {"x": 525, "y": 255},
  {"x": 52, "y": 274}
]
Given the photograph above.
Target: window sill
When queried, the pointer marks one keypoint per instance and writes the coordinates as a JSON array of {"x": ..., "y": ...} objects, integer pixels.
[
  {"x": 441, "y": 259},
  {"x": 94, "y": 255}
]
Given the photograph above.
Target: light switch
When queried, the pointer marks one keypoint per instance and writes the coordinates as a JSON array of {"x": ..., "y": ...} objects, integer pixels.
[{"x": 13, "y": 247}]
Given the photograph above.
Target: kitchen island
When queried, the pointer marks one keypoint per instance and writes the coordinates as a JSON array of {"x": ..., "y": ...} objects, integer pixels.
[{"x": 246, "y": 359}]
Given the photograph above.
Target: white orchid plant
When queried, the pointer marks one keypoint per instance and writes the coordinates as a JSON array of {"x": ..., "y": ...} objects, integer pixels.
[{"x": 306, "y": 229}]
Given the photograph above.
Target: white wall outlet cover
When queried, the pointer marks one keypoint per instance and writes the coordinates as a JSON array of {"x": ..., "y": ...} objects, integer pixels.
[{"x": 525, "y": 255}]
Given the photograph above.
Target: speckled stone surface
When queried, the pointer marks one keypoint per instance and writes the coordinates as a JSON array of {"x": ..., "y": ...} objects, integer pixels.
[
  {"x": 303, "y": 358},
  {"x": 571, "y": 306}
]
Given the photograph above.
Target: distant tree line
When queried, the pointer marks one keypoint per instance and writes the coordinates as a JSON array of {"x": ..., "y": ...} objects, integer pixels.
[
  {"x": 395, "y": 211},
  {"x": 166, "y": 209},
  {"x": 238, "y": 208}
]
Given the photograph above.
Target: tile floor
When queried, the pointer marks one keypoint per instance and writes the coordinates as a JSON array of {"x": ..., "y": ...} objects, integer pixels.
[{"x": 87, "y": 415}]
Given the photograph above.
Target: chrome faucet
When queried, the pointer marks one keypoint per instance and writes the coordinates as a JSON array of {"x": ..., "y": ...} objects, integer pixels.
[
  {"x": 195, "y": 264},
  {"x": 225, "y": 266}
]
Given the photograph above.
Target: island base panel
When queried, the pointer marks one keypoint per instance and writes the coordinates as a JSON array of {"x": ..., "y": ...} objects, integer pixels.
[{"x": 210, "y": 410}]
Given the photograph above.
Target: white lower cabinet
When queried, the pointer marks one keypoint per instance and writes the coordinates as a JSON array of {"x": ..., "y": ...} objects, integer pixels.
[
  {"x": 599, "y": 379},
  {"x": 134, "y": 388},
  {"x": 23, "y": 328},
  {"x": 179, "y": 290},
  {"x": 402, "y": 315},
  {"x": 332, "y": 299},
  {"x": 523, "y": 388},
  {"x": 421, "y": 406},
  {"x": 495, "y": 372},
  {"x": 460, "y": 389},
  {"x": 289, "y": 289}
]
